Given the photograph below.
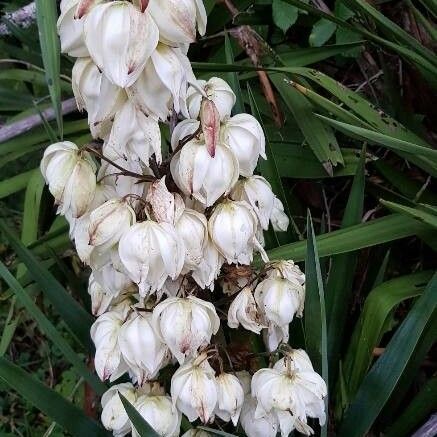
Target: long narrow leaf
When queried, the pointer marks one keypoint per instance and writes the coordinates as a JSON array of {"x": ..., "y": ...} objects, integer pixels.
[
  {"x": 233, "y": 78},
  {"x": 51, "y": 403}
]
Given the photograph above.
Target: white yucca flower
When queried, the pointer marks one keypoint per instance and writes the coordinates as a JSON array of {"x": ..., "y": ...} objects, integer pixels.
[
  {"x": 177, "y": 20},
  {"x": 207, "y": 271},
  {"x": 100, "y": 301},
  {"x": 120, "y": 39},
  {"x": 230, "y": 397},
  {"x": 194, "y": 389},
  {"x": 151, "y": 252},
  {"x": 185, "y": 324},
  {"x": 204, "y": 177},
  {"x": 257, "y": 192},
  {"x": 215, "y": 89},
  {"x": 112, "y": 278},
  {"x": 279, "y": 219},
  {"x": 253, "y": 426},
  {"x": 134, "y": 136},
  {"x": 244, "y": 310},
  {"x": 114, "y": 416},
  {"x": 162, "y": 86},
  {"x": 244, "y": 135},
  {"x": 97, "y": 95},
  {"x": 142, "y": 349},
  {"x": 232, "y": 227},
  {"x": 70, "y": 175}
]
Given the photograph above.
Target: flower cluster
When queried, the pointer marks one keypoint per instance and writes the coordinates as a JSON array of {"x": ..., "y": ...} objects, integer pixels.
[{"x": 170, "y": 238}]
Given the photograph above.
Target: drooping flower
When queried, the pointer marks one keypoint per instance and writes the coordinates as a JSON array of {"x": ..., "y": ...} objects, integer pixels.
[
  {"x": 120, "y": 38},
  {"x": 230, "y": 397},
  {"x": 194, "y": 389},
  {"x": 244, "y": 310},
  {"x": 207, "y": 271},
  {"x": 244, "y": 135},
  {"x": 279, "y": 219},
  {"x": 265, "y": 426},
  {"x": 185, "y": 324},
  {"x": 70, "y": 174},
  {"x": 151, "y": 252}
]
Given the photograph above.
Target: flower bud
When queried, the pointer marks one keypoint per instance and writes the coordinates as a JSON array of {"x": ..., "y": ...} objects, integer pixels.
[
  {"x": 232, "y": 227},
  {"x": 215, "y": 89},
  {"x": 253, "y": 426},
  {"x": 244, "y": 135},
  {"x": 207, "y": 271},
  {"x": 230, "y": 398},
  {"x": 159, "y": 413},
  {"x": 141, "y": 348},
  {"x": 104, "y": 333},
  {"x": 151, "y": 252},
  {"x": 177, "y": 20},
  {"x": 194, "y": 389},
  {"x": 279, "y": 219},
  {"x": 120, "y": 39},
  {"x": 196, "y": 173},
  {"x": 244, "y": 310},
  {"x": 97, "y": 95},
  {"x": 185, "y": 324},
  {"x": 210, "y": 122},
  {"x": 109, "y": 222},
  {"x": 114, "y": 416},
  {"x": 162, "y": 86},
  {"x": 134, "y": 136},
  {"x": 193, "y": 229},
  {"x": 70, "y": 174},
  {"x": 257, "y": 192}
]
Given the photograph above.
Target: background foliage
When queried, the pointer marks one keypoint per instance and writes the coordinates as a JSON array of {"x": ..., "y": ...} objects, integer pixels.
[{"x": 346, "y": 97}]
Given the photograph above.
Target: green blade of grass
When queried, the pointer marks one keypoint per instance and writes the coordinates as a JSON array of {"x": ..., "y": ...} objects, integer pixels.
[
  {"x": 51, "y": 403},
  {"x": 15, "y": 184},
  {"x": 46, "y": 15},
  {"x": 385, "y": 374},
  {"x": 73, "y": 314},
  {"x": 315, "y": 316},
  {"x": 418, "y": 213},
  {"x": 52, "y": 333}
]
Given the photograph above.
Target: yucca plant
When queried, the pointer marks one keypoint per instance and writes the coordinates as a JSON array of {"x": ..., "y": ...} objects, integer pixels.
[{"x": 344, "y": 93}]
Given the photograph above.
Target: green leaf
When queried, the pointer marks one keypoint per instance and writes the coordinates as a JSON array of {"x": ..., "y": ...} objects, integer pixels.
[
  {"x": 419, "y": 409},
  {"x": 51, "y": 403},
  {"x": 383, "y": 377},
  {"x": 15, "y": 184},
  {"x": 378, "y": 231},
  {"x": 233, "y": 78},
  {"x": 52, "y": 333},
  {"x": 284, "y": 15},
  {"x": 321, "y": 32},
  {"x": 320, "y": 138},
  {"x": 315, "y": 315},
  {"x": 138, "y": 421},
  {"x": 419, "y": 213},
  {"x": 73, "y": 314},
  {"x": 342, "y": 272},
  {"x": 47, "y": 15}
]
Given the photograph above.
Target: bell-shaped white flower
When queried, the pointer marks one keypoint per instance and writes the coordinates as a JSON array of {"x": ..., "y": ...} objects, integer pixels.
[
  {"x": 194, "y": 389},
  {"x": 206, "y": 178},
  {"x": 232, "y": 227},
  {"x": 257, "y": 192},
  {"x": 114, "y": 416},
  {"x": 151, "y": 252},
  {"x": 280, "y": 299},
  {"x": 185, "y": 324},
  {"x": 113, "y": 280},
  {"x": 183, "y": 130},
  {"x": 162, "y": 86},
  {"x": 287, "y": 269},
  {"x": 159, "y": 413},
  {"x": 207, "y": 271},
  {"x": 279, "y": 219},
  {"x": 123, "y": 185},
  {"x": 253, "y": 426},
  {"x": 296, "y": 360},
  {"x": 230, "y": 397},
  {"x": 192, "y": 226},
  {"x": 286, "y": 389},
  {"x": 104, "y": 333},
  {"x": 177, "y": 20},
  {"x": 215, "y": 89},
  {"x": 97, "y": 95},
  {"x": 244, "y": 135},
  {"x": 100, "y": 301},
  {"x": 243, "y": 310},
  {"x": 134, "y": 136},
  {"x": 109, "y": 222},
  {"x": 274, "y": 335},
  {"x": 120, "y": 38},
  {"x": 70, "y": 174},
  {"x": 142, "y": 349}
]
